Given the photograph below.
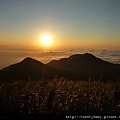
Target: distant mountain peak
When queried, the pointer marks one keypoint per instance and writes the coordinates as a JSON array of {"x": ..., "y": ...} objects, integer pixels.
[
  {"x": 82, "y": 55},
  {"x": 33, "y": 69},
  {"x": 30, "y": 60},
  {"x": 77, "y": 66},
  {"x": 88, "y": 54}
]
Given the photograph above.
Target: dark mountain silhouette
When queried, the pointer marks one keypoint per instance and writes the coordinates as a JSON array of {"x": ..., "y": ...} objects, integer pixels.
[
  {"x": 87, "y": 66},
  {"x": 75, "y": 67},
  {"x": 32, "y": 69}
]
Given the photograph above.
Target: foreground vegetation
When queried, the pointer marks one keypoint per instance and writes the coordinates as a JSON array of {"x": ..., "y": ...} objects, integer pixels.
[{"x": 59, "y": 96}]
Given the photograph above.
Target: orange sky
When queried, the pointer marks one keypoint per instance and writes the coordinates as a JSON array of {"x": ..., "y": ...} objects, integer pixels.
[{"x": 70, "y": 23}]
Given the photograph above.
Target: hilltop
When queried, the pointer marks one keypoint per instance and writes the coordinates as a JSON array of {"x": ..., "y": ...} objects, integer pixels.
[
  {"x": 87, "y": 66},
  {"x": 75, "y": 67},
  {"x": 31, "y": 69}
]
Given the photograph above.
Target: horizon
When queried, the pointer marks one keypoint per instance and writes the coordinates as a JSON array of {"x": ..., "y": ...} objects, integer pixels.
[
  {"x": 10, "y": 56},
  {"x": 51, "y": 29},
  {"x": 35, "y": 36},
  {"x": 78, "y": 23}
]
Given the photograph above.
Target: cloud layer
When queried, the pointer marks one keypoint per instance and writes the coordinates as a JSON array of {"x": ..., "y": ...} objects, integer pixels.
[{"x": 10, "y": 56}]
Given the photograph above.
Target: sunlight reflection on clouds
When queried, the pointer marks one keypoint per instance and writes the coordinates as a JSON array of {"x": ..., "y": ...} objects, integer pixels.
[{"x": 10, "y": 56}]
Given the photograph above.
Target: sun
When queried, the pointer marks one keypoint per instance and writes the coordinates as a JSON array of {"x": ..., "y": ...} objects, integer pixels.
[{"x": 46, "y": 40}]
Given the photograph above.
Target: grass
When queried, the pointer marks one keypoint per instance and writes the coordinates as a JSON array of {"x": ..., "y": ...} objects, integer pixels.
[{"x": 59, "y": 96}]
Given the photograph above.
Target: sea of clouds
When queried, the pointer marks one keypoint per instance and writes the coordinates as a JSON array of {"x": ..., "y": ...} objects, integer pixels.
[{"x": 10, "y": 56}]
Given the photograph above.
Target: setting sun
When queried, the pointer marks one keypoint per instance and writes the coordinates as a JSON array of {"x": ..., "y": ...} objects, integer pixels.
[{"x": 46, "y": 40}]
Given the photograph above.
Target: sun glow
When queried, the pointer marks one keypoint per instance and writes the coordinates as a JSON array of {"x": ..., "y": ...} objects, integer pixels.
[{"x": 46, "y": 40}]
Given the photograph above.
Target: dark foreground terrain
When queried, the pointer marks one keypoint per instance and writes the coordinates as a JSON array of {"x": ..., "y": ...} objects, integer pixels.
[
  {"x": 60, "y": 96},
  {"x": 80, "y": 84}
]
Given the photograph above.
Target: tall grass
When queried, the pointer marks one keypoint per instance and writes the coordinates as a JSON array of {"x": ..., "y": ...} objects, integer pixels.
[{"x": 59, "y": 96}]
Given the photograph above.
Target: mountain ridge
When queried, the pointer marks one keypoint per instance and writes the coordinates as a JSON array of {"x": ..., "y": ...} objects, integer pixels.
[
  {"x": 87, "y": 65},
  {"x": 30, "y": 68},
  {"x": 77, "y": 66}
]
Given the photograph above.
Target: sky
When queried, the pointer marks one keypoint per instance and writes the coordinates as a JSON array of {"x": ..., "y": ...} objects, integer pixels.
[{"x": 69, "y": 23}]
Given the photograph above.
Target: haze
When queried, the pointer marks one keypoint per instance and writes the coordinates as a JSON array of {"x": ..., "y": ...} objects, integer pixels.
[{"x": 84, "y": 24}]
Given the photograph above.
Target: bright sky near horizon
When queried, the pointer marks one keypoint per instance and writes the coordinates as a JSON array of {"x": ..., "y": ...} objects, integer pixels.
[{"x": 69, "y": 23}]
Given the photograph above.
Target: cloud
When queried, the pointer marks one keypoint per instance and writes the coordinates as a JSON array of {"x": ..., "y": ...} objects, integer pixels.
[{"x": 13, "y": 55}]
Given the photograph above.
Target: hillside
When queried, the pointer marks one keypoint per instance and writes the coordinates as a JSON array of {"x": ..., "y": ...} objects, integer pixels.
[
  {"x": 75, "y": 67},
  {"x": 60, "y": 96},
  {"x": 87, "y": 66},
  {"x": 31, "y": 69}
]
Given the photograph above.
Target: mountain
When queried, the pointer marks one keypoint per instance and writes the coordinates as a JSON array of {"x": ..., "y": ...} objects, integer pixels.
[
  {"x": 87, "y": 66},
  {"x": 32, "y": 69},
  {"x": 75, "y": 67}
]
